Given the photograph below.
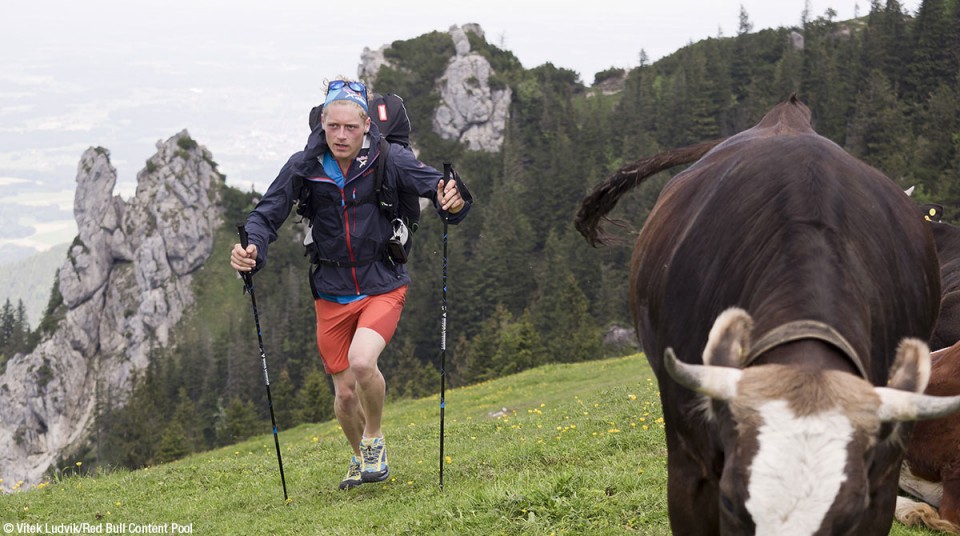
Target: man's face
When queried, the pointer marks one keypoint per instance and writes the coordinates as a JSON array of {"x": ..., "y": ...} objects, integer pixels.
[{"x": 344, "y": 130}]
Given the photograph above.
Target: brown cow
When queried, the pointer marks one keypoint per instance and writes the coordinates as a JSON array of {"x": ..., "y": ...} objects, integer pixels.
[
  {"x": 947, "y": 330},
  {"x": 931, "y": 464},
  {"x": 775, "y": 284}
]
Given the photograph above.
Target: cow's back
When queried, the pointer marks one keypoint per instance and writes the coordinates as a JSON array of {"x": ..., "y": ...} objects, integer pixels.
[{"x": 787, "y": 225}]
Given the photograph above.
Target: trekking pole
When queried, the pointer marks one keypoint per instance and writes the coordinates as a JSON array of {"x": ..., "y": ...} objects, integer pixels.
[
  {"x": 248, "y": 287},
  {"x": 447, "y": 167}
]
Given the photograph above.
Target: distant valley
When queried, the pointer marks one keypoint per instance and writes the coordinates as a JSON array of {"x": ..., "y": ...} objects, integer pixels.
[{"x": 30, "y": 279}]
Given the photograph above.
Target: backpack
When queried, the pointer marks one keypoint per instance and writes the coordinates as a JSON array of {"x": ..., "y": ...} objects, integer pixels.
[{"x": 390, "y": 115}]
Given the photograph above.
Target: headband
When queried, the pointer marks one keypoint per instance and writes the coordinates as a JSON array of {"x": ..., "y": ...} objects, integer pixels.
[{"x": 346, "y": 94}]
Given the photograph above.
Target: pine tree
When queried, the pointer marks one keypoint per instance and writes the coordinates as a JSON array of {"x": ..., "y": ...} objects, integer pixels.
[
  {"x": 503, "y": 346},
  {"x": 315, "y": 399},
  {"x": 719, "y": 84},
  {"x": 878, "y": 133},
  {"x": 560, "y": 312},
  {"x": 825, "y": 77},
  {"x": 238, "y": 422},
  {"x": 476, "y": 353},
  {"x": 938, "y": 141},
  {"x": 407, "y": 376},
  {"x": 519, "y": 347},
  {"x": 54, "y": 311},
  {"x": 886, "y": 43},
  {"x": 953, "y": 43},
  {"x": 173, "y": 444},
  {"x": 21, "y": 330},
  {"x": 743, "y": 55},
  {"x": 8, "y": 329},
  {"x": 130, "y": 430},
  {"x": 185, "y": 413},
  {"x": 636, "y": 115},
  {"x": 931, "y": 63},
  {"x": 506, "y": 248},
  {"x": 284, "y": 399}
]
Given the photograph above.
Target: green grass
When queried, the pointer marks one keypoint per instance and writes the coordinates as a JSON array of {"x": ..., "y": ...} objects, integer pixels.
[{"x": 580, "y": 450}]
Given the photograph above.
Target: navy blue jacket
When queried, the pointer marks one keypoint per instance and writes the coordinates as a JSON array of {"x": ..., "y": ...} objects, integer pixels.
[{"x": 349, "y": 229}]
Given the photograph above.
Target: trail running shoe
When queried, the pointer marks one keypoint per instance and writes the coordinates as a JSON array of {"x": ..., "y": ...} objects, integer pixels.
[
  {"x": 374, "y": 467},
  {"x": 352, "y": 479}
]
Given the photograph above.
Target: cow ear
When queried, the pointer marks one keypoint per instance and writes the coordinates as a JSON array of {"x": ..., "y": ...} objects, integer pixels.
[
  {"x": 729, "y": 341},
  {"x": 911, "y": 367}
]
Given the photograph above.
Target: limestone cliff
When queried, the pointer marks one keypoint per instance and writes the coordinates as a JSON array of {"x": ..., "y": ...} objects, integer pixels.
[
  {"x": 125, "y": 285},
  {"x": 470, "y": 110}
]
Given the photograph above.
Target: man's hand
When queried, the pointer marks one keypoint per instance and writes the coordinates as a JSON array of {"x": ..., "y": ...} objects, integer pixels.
[
  {"x": 449, "y": 196},
  {"x": 243, "y": 260}
]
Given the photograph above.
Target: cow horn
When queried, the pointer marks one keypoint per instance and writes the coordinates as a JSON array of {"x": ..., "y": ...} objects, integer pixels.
[
  {"x": 716, "y": 382},
  {"x": 897, "y": 405}
]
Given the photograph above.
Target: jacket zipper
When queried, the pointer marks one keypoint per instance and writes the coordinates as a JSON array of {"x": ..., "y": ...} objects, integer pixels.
[{"x": 346, "y": 224}]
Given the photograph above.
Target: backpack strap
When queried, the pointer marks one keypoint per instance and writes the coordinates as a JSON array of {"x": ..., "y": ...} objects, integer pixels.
[
  {"x": 301, "y": 197},
  {"x": 385, "y": 194}
]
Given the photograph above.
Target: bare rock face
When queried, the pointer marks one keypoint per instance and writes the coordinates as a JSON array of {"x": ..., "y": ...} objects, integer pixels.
[
  {"x": 89, "y": 258},
  {"x": 125, "y": 285},
  {"x": 471, "y": 110},
  {"x": 370, "y": 63}
]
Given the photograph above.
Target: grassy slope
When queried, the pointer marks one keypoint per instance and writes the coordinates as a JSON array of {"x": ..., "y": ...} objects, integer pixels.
[{"x": 579, "y": 451}]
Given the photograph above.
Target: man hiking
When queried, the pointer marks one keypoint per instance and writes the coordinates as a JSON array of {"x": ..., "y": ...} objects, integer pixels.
[{"x": 359, "y": 287}]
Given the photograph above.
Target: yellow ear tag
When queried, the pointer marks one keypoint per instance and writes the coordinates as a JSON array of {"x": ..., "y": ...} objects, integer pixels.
[{"x": 933, "y": 212}]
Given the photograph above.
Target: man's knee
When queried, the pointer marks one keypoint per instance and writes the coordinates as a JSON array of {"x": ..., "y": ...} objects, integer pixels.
[
  {"x": 346, "y": 395},
  {"x": 363, "y": 367}
]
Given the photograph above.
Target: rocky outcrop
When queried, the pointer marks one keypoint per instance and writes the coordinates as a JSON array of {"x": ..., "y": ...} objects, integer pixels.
[
  {"x": 472, "y": 109},
  {"x": 796, "y": 40},
  {"x": 125, "y": 284}
]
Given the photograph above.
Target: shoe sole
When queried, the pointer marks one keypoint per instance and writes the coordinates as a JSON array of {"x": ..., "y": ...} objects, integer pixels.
[{"x": 370, "y": 476}]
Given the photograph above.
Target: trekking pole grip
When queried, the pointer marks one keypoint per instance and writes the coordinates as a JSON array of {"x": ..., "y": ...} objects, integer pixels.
[
  {"x": 447, "y": 174},
  {"x": 244, "y": 239},
  {"x": 244, "y": 242}
]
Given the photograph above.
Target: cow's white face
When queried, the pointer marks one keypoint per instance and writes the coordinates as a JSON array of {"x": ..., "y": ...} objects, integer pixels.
[
  {"x": 816, "y": 447},
  {"x": 799, "y": 459},
  {"x": 803, "y": 438}
]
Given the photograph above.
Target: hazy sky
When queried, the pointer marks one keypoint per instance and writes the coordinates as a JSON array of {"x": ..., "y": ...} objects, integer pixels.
[
  {"x": 584, "y": 36},
  {"x": 241, "y": 75}
]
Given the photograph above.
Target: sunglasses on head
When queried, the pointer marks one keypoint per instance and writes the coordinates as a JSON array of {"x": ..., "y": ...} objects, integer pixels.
[{"x": 355, "y": 86}]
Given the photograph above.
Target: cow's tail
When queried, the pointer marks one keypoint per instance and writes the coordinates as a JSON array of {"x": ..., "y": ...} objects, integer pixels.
[
  {"x": 911, "y": 513},
  {"x": 604, "y": 197}
]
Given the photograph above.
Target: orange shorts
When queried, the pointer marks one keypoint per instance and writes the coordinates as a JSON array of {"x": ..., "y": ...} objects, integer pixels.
[{"x": 337, "y": 323}]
